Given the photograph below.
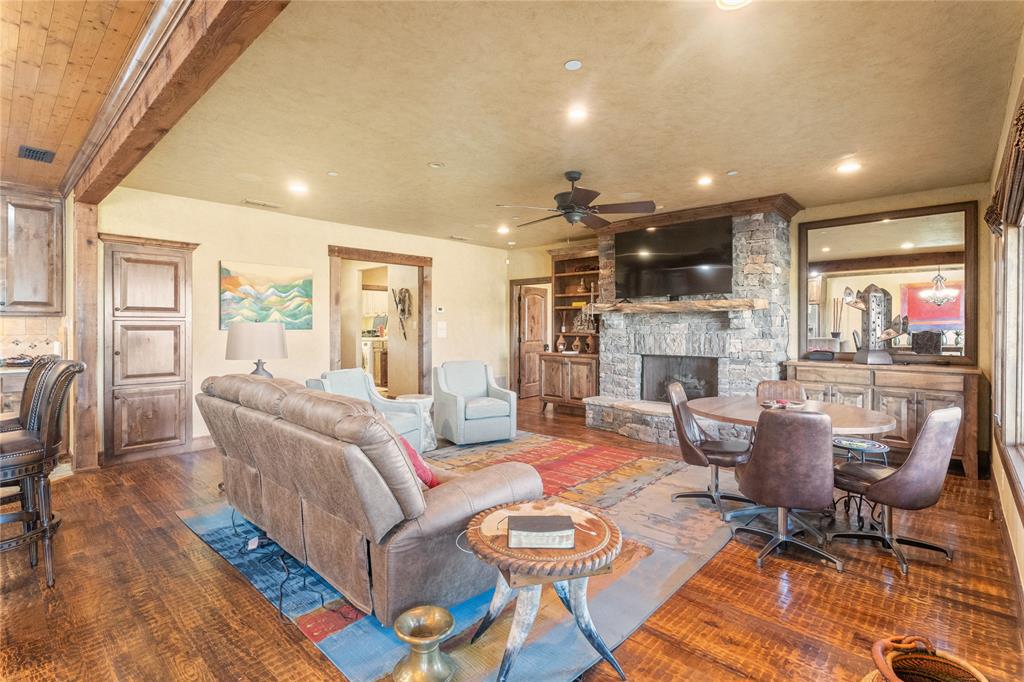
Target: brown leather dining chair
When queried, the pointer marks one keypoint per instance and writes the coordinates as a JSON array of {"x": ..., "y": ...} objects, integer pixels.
[
  {"x": 698, "y": 449},
  {"x": 790, "y": 467},
  {"x": 28, "y": 413},
  {"x": 27, "y": 456},
  {"x": 781, "y": 389},
  {"x": 917, "y": 484}
]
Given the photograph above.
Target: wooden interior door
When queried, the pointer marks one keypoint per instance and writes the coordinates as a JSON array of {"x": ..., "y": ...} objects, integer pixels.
[
  {"x": 147, "y": 350},
  {"x": 533, "y": 332}
]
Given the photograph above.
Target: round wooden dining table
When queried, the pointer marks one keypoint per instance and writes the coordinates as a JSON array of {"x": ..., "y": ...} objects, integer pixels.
[{"x": 847, "y": 420}]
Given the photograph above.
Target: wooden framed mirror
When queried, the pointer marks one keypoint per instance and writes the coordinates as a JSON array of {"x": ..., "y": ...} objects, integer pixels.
[{"x": 924, "y": 259}]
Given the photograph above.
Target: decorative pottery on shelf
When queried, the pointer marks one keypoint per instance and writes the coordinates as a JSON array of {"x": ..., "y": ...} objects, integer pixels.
[
  {"x": 560, "y": 343},
  {"x": 592, "y": 345},
  {"x": 576, "y": 345}
]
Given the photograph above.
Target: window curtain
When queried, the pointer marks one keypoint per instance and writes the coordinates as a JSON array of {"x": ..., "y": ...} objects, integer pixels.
[{"x": 1007, "y": 206}]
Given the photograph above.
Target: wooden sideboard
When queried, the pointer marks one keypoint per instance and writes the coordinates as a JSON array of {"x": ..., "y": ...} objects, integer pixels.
[
  {"x": 567, "y": 379},
  {"x": 906, "y": 392}
]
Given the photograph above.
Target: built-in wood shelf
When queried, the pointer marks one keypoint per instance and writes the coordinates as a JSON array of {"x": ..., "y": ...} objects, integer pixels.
[
  {"x": 712, "y": 306},
  {"x": 577, "y": 274},
  {"x": 569, "y": 307}
]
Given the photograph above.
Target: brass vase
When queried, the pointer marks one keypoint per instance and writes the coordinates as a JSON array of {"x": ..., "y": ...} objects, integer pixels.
[{"x": 423, "y": 628}]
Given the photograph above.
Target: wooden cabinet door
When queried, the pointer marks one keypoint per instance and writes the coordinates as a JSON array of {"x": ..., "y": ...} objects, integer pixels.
[
  {"x": 149, "y": 417},
  {"x": 147, "y": 352},
  {"x": 858, "y": 396},
  {"x": 553, "y": 378},
  {"x": 582, "y": 378},
  {"x": 818, "y": 392},
  {"x": 901, "y": 404},
  {"x": 929, "y": 401},
  {"x": 32, "y": 257},
  {"x": 148, "y": 284}
]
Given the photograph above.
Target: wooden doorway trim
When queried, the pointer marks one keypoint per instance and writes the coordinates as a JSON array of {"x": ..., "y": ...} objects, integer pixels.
[
  {"x": 424, "y": 264},
  {"x": 514, "y": 287}
]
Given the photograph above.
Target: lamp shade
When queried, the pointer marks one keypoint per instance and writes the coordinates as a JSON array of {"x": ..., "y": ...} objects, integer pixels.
[{"x": 256, "y": 341}]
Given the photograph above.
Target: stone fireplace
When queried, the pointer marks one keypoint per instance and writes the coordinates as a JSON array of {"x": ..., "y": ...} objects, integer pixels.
[
  {"x": 718, "y": 352},
  {"x": 699, "y": 376}
]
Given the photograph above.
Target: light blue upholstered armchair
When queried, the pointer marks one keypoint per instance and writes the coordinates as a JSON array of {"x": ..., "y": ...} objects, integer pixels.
[
  {"x": 469, "y": 407},
  {"x": 405, "y": 417}
]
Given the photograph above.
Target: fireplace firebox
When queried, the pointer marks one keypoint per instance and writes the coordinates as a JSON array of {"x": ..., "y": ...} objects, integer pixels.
[{"x": 699, "y": 376}]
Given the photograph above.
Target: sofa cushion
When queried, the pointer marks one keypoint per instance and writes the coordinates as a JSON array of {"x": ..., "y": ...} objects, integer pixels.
[
  {"x": 482, "y": 408},
  {"x": 357, "y": 422},
  {"x": 467, "y": 378},
  {"x": 403, "y": 423}
]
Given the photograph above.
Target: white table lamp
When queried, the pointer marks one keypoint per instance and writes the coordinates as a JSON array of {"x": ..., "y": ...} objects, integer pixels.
[{"x": 257, "y": 341}]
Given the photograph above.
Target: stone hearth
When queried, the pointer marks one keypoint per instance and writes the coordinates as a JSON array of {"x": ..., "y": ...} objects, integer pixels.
[{"x": 749, "y": 345}]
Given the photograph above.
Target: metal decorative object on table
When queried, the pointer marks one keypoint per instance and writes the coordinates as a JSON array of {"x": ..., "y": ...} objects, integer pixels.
[
  {"x": 523, "y": 572},
  {"x": 429, "y": 436},
  {"x": 877, "y": 326}
]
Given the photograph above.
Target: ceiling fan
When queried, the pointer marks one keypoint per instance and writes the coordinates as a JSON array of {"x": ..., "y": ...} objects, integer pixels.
[{"x": 575, "y": 207}]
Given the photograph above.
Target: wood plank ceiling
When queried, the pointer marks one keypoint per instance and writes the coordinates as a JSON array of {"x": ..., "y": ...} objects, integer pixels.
[{"x": 58, "y": 61}]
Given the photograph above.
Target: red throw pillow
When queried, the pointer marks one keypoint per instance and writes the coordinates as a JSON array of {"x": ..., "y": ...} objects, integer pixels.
[{"x": 423, "y": 471}]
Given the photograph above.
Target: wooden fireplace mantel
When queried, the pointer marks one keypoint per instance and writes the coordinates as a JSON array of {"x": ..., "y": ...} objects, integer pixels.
[{"x": 711, "y": 306}]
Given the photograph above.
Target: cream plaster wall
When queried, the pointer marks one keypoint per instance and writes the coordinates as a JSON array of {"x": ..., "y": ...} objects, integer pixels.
[
  {"x": 403, "y": 376},
  {"x": 469, "y": 281}
]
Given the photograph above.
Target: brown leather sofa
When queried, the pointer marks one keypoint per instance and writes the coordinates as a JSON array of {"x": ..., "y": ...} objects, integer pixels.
[{"x": 326, "y": 478}]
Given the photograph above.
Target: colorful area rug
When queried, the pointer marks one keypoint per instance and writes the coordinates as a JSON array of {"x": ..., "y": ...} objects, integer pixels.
[{"x": 665, "y": 543}]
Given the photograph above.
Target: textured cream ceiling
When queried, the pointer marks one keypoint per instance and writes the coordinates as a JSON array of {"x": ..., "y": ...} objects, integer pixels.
[
  {"x": 781, "y": 92},
  {"x": 929, "y": 234}
]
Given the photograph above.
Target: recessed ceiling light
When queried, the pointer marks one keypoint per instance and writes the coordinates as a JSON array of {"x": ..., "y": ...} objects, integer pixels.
[
  {"x": 729, "y": 5},
  {"x": 298, "y": 187},
  {"x": 437, "y": 164},
  {"x": 826, "y": 249},
  {"x": 704, "y": 180},
  {"x": 332, "y": 174},
  {"x": 660, "y": 206},
  {"x": 573, "y": 65},
  {"x": 515, "y": 217},
  {"x": 577, "y": 112},
  {"x": 732, "y": 173},
  {"x": 907, "y": 245},
  {"x": 814, "y": 273},
  {"x": 511, "y": 243},
  {"x": 652, "y": 229},
  {"x": 503, "y": 229},
  {"x": 850, "y": 166},
  {"x": 885, "y": 220}
]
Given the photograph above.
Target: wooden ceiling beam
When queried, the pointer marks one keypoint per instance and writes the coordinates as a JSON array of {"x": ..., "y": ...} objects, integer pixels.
[
  {"x": 210, "y": 37},
  {"x": 901, "y": 260}
]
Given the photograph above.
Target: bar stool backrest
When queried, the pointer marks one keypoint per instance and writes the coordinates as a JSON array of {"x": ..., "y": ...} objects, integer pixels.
[
  {"x": 54, "y": 389},
  {"x": 31, "y": 396}
]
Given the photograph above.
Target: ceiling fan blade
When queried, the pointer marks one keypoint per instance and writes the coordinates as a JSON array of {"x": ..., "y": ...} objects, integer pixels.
[
  {"x": 541, "y": 220},
  {"x": 535, "y": 208},
  {"x": 582, "y": 197},
  {"x": 626, "y": 207},
  {"x": 594, "y": 222}
]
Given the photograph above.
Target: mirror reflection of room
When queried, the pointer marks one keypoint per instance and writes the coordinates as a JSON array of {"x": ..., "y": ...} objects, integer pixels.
[{"x": 914, "y": 265}]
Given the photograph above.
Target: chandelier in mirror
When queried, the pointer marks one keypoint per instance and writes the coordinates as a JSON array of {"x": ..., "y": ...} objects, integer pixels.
[{"x": 939, "y": 294}]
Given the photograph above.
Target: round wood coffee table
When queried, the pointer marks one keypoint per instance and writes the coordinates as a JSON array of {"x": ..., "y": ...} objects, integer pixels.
[
  {"x": 523, "y": 572},
  {"x": 847, "y": 420}
]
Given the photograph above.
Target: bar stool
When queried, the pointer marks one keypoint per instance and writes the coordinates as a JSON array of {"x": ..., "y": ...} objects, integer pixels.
[
  {"x": 28, "y": 414},
  {"x": 26, "y": 459},
  {"x": 848, "y": 448}
]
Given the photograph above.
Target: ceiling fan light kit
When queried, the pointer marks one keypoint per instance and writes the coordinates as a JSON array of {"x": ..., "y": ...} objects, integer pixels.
[{"x": 575, "y": 206}]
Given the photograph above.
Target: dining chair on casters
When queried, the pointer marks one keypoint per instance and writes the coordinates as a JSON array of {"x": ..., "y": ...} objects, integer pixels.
[
  {"x": 698, "y": 449},
  {"x": 917, "y": 484},
  {"x": 790, "y": 467}
]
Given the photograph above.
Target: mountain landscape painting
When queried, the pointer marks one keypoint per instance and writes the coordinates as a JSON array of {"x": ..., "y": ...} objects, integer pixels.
[{"x": 265, "y": 293}]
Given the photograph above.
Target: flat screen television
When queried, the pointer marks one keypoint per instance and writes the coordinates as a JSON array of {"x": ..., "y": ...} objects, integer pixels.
[{"x": 676, "y": 260}]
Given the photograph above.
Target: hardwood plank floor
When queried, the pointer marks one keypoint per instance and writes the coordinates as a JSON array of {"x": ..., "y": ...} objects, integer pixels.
[{"x": 138, "y": 596}]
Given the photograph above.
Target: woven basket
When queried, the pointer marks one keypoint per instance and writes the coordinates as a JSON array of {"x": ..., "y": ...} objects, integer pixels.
[{"x": 914, "y": 659}]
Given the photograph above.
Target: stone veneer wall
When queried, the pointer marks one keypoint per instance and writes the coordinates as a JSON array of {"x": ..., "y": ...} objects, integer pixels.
[{"x": 750, "y": 345}]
